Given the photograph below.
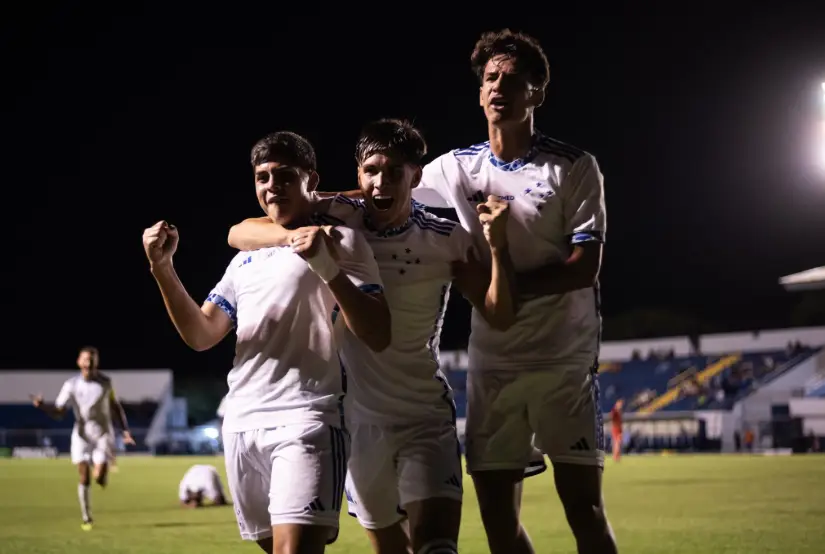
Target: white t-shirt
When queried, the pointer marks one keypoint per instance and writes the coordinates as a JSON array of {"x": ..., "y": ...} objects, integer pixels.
[
  {"x": 286, "y": 368},
  {"x": 403, "y": 383},
  {"x": 556, "y": 196},
  {"x": 90, "y": 402},
  {"x": 202, "y": 478}
]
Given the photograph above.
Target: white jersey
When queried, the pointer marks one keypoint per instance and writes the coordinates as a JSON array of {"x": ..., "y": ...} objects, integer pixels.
[
  {"x": 90, "y": 402},
  {"x": 556, "y": 197},
  {"x": 286, "y": 368},
  {"x": 201, "y": 478},
  {"x": 403, "y": 383}
]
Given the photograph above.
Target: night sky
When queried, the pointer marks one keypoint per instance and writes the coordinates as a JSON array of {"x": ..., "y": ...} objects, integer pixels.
[{"x": 702, "y": 125}]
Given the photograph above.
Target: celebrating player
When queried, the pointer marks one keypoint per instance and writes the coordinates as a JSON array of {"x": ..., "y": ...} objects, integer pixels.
[
  {"x": 539, "y": 377},
  {"x": 201, "y": 482},
  {"x": 93, "y": 401},
  {"x": 400, "y": 412},
  {"x": 285, "y": 447}
]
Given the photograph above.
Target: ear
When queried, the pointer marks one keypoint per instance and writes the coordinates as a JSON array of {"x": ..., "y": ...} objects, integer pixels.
[
  {"x": 312, "y": 182},
  {"x": 537, "y": 98},
  {"x": 480, "y": 97},
  {"x": 416, "y": 177}
]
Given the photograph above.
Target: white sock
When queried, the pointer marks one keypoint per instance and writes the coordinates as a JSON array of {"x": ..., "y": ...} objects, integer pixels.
[{"x": 83, "y": 496}]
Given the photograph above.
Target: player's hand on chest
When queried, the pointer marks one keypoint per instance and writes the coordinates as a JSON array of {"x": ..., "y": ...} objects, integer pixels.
[{"x": 532, "y": 193}]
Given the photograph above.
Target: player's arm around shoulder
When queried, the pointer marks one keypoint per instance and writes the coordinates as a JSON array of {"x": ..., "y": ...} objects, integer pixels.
[
  {"x": 255, "y": 233},
  {"x": 200, "y": 327},
  {"x": 490, "y": 291},
  {"x": 358, "y": 288},
  {"x": 440, "y": 181}
]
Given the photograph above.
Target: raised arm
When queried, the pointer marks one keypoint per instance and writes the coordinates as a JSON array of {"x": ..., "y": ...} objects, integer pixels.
[
  {"x": 585, "y": 223},
  {"x": 52, "y": 410},
  {"x": 355, "y": 284},
  {"x": 200, "y": 327},
  {"x": 492, "y": 291}
]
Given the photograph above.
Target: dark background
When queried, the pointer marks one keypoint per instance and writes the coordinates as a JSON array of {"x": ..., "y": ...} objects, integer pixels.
[{"x": 702, "y": 122}]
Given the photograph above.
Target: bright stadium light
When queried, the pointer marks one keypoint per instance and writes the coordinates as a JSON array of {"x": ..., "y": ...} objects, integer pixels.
[{"x": 211, "y": 433}]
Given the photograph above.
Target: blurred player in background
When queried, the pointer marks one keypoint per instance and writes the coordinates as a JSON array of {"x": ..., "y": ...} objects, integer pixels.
[
  {"x": 285, "y": 447},
  {"x": 93, "y": 401},
  {"x": 201, "y": 483},
  {"x": 400, "y": 412},
  {"x": 539, "y": 377},
  {"x": 616, "y": 428}
]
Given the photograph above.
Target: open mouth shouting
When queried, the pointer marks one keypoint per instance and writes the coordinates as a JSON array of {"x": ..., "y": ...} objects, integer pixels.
[{"x": 382, "y": 202}]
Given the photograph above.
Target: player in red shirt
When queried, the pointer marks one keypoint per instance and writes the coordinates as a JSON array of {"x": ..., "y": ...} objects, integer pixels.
[{"x": 616, "y": 419}]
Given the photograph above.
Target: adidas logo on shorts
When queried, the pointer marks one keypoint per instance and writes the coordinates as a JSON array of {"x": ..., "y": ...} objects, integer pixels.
[
  {"x": 581, "y": 445},
  {"x": 315, "y": 506}
]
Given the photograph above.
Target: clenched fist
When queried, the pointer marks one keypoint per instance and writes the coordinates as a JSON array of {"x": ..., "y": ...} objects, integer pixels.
[
  {"x": 160, "y": 242},
  {"x": 305, "y": 241},
  {"x": 493, "y": 216}
]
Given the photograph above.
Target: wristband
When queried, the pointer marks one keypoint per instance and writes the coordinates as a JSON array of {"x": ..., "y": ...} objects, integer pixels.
[{"x": 323, "y": 265}]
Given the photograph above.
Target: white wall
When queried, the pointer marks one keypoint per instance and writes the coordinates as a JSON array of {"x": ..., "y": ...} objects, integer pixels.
[
  {"x": 619, "y": 351},
  {"x": 757, "y": 406},
  {"x": 130, "y": 386},
  {"x": 761, "y": 340}
]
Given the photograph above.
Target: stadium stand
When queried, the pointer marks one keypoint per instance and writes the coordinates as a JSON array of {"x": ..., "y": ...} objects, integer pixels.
[
  {"x": 680, "y": 398},
  {"x": 758, "y": 390}
]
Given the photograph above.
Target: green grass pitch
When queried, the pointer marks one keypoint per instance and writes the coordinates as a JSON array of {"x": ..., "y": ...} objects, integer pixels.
[{"x": 657, "y": 504}]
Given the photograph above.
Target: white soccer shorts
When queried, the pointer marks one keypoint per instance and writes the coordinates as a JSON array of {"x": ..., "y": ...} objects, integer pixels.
[
  {"x": 289, "y": 474},
  {"x": 511, "y": 416},
  {"x": 391, "y": 467},
  {"x": 91, "y": 450}
]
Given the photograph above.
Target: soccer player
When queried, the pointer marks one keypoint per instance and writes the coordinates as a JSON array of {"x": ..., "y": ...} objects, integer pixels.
[
  {"x": 405, "y": 457},
  {"x": 93, "y": 401},
  {"x": 539, "y": 377},
  {"x": 616, "y": 428},
  {"x": 201, "y": 482},
  {"x": 284, "y": 445}
]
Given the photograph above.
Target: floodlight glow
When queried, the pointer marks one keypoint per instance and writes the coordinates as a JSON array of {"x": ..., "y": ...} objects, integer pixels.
[{"x": 211, "y": 433}]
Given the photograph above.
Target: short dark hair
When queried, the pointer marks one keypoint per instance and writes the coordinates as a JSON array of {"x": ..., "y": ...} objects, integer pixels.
[
  {"x": 91, "y": 350},
  {"x": 284, "y": 147},
  {"x": 393, "y": 137},
  {"x": 525, "y": 51}
]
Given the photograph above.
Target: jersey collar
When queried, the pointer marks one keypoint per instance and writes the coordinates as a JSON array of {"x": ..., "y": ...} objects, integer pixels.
[
  {"x": 518, "y": 163},
  {"x": 368, "y": 223}
]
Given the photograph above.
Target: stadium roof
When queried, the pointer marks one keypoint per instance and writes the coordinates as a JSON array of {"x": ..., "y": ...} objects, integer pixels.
[{"x": 812, "y": 279}]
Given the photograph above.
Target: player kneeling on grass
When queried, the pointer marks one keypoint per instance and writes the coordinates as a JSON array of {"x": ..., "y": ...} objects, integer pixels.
[
  {"x": 400, "y": 411},
  {"x": 93, "y": 401},
  {"x": 201, "y": 486},
  {"x": 285, "y": 446}
]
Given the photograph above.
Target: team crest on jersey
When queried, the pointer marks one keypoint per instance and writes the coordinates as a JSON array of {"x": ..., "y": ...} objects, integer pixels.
[{"x": 538, "y": 194}]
